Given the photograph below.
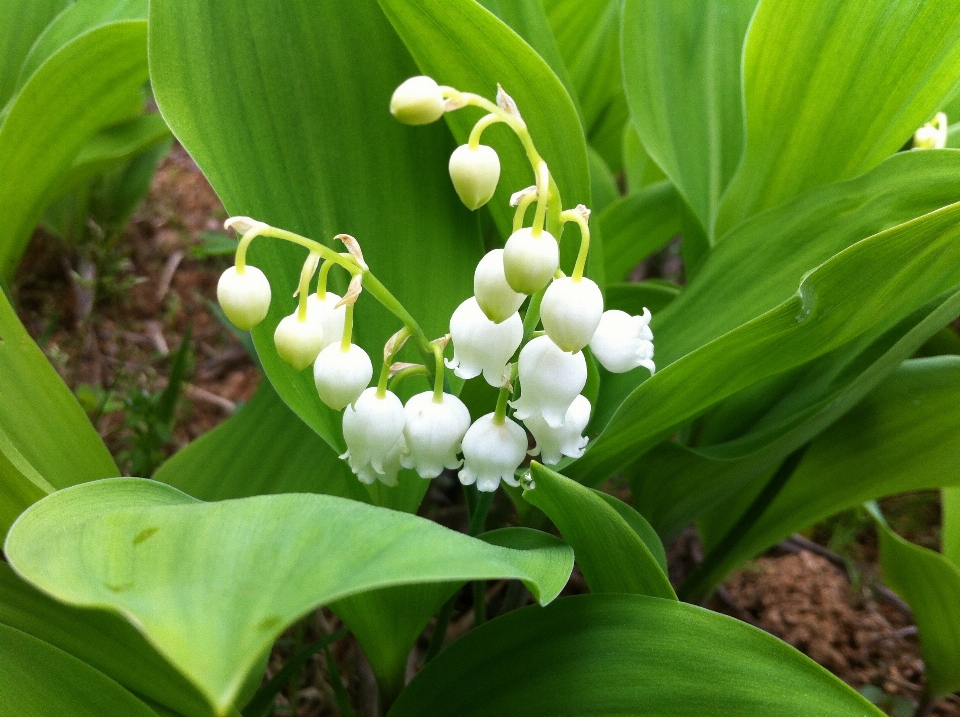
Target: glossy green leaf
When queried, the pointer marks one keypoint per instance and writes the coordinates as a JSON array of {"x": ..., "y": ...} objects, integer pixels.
[
  {"x": 637, "y": 225},
  {"x": 950, "y": 535},
  {"x": 654, "y": 294},
  {"x": 603, "y": 186},
  {"x": 902, "y": 437},
  {"x": 930, "y": 585},
  {"x": 82, "y": 16},
  {"x": 30, "y": 17},
  {"x": 869, "y": 286},
  {"x": 639, "y": 168},
  {"x": 39, "y": 680},
  {"x": 616, "y": 549},
  {"x": 878, "y": 71},
  {"x": 681, "y": 71},
  {"x": 171, "y": 563},
  {"x": 290, "y": 123},
  {"x": 459, "y": 43},
  {"x": 90, "y": 81},
  {"x": 105, "y": 641},
  {"x": 46, "y": 440},
  {"x": 613, "y": 655}
]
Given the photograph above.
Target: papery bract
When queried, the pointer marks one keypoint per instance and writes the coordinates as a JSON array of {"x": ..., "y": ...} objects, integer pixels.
[
  {"x": 299, "y": 342},
  {"x": 244, "y": 296},
  {"x": 571, "y": 311},
  {"x": 372, "y": 429},
  {"x": 565, "y": 440},
  {"x": 433, "y": 432},
  {"x": 623, "y": 342},
  {"x": 475, "y": 173},
  {"x": 341, "y": 376},
  {"x": 417, "y": 100},
  {"x": 496, "y": 299},
  {"x": 492, "y": 452},
  {"x": 550, "y": 379},
  {"x": 529, "y": 262},
  {"x": 331, "y": 316},
  {"x": 479, "y": 345}
]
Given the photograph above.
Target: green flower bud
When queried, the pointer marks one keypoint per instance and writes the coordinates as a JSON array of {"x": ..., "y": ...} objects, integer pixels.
[
  {"x": 475, "y": 173},
  {"x": 417, "y": 101},
  {"x": 299, "y": 342},
  {"x": 244, "y": 296},
  {"x": 529, "y": 262}
]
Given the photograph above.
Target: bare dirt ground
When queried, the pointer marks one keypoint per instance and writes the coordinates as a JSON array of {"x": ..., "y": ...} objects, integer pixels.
[{"x": 125, "y": 349}]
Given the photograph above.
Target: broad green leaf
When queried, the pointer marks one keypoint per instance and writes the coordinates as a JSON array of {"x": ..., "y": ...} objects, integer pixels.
[
  {"x": 904, "y": 436},
  {"x": 637, "y": 225},
  {"x": 930, "y": 585},
  {"x": 877, "y": 71},
  {"x": 29, "y": 17},
  {"x": 872, "y": 285},
  {"x": 613, "y": 554},
  {"x": 39, "y": 680},
  {"x": 170, "y": 563},
  {"x": 588, "y": 34},
  {"x": 459, "y": 43},
  {"x": 681, "y": 71},
  {"x": 289, "y": 121},
  {"x": 654, "y": 294},
  {"x": 105, "y": 641},
  {"x": 674, "y": 484},
  {"x": 90, "y": 82},
  {"x": 81, "y": 17},
  {"x": 603, "y": 185},
  {"x": 613, "y": 655},
  {"x": 638, "y": 166},
  {"x": 950, "y": 535},
  {"x": 46, "y": 440}
]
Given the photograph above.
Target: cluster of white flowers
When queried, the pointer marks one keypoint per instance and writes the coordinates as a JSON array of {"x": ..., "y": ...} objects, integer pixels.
[{"x": 434, "y": 428}]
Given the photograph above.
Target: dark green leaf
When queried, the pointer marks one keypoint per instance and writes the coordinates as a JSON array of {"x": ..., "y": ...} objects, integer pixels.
[
  {"x": 654, "y": 295},
  {"x": 29, "y": 17},
  {"x": 638, "y": 225}
]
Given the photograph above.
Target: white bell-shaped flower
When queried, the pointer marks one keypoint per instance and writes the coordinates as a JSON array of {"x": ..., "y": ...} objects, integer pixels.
[
  {"x": 622, "y": 342},
  {"x": 933, "y": 135},
  {"x": 299, "y": 342},
  {"x": 529, "y": 262},
  {"x": 341, "y": 376},
  {"x": 567, "y": 439},
  {"x": 331, "y": 317},
  {"x": 481, "y": 346},
  {"x": 571, "y": 311},
  {"x": 373, "y": 429},
  {"x": 497, "y": 300},
  {"x": 550, "y": 379},
  {"x": 492, "y": 452},
  {"x": 244, "y": 296},
  {"x": 475, "y": 173},
  {"x": 417, "y": 101},
  {"x": 433, "y": 432}
]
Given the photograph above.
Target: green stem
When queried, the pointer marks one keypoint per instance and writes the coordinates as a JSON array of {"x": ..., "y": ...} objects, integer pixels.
[
  {"x": 326, "y": 252},
  {"x": 525, "y": 201},
  {"x": 384, "y": 379},
  {"x": 303, "y": 290},
  {"x": 574, "y": 215},
  {"x": 438, "y": 375},
  {"x": 543, "y": 196},
  {"x": 478, "y": 523},
  {"x": 440, "y": 631},
  {"x": 347, "y": 329},
  {"x": 322, "y": 279},
  {"x": 532, "y": 316},
  {"x": 406, "y": 373},
  {"x": 474, "y": 140},
  {"x": 500, "y": 414},
  {"x": 700, "y": 582}
]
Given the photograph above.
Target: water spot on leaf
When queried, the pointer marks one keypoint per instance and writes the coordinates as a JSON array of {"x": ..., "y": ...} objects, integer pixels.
[
  {"x": 144, "y": 535},
  {"x": 119, "y": 588},
  {"x": 269, "y": 623}
]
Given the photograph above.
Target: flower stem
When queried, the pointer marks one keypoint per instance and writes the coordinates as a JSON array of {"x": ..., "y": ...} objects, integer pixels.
[
  {"x": 303, "y": 290},
  {"x": 525, "y": 201},
  {"x": 322, "y": 278},
  {"x": 474, "y": 141},
  {"x": 577, "y": 216},
  {"x": 438, "y": 375},
  {"x": 347, "y": 329}
]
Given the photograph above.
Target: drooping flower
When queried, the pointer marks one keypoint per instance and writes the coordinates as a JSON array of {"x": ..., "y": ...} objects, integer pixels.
[
  {"x": 492, "y": 452},
  {"x": 373, "y": 431},
  {"x": 529, "y": 262},
  {"x": 341, "y": 376},
  {"x": 495, "y": 297},
  {"x": 623, "y": 342},
  {"x": 933, "y": 135},
  {"x": 481, "y": 346},
  {"x": 475, "y": 173},
  {"x": 550, "y": 379},
  {"x": 571, "y": 311},
  {"x": 331, "y": 316},
  {"x": 298, "y": 342},
  {"x": 565, "y": 440},
  {"x": 244, "y": 296},
  {"x": 417, "y": 100},
  {"x": 433, "y": 433}
]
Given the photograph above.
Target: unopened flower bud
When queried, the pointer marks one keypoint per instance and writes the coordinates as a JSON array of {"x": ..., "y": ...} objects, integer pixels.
[
  {"x": 933, "y": 135},
  {"x": 433, "y": 432},
  {"x": 373, "y": 430},
  {"x": 622, "y": 342},
  {"x": 417, "y": 101},
  {"x": 331, "y": 319},
  {"x": 571, "y": 311},
  {"x": 530, "y": 262},
  {"x": 475, "y": 173},
  {"x": 479, "y": 345},
  {"x": 496, "y": 299},
  {"x": 492, "y": 452},
  {"x": 550, "y": 379},
  {"x": 298, "y": 342},
  {"x": 244, "y": 296},
  {"x": 567, "y": 439},
  {"x": 341, "y": 376}
]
